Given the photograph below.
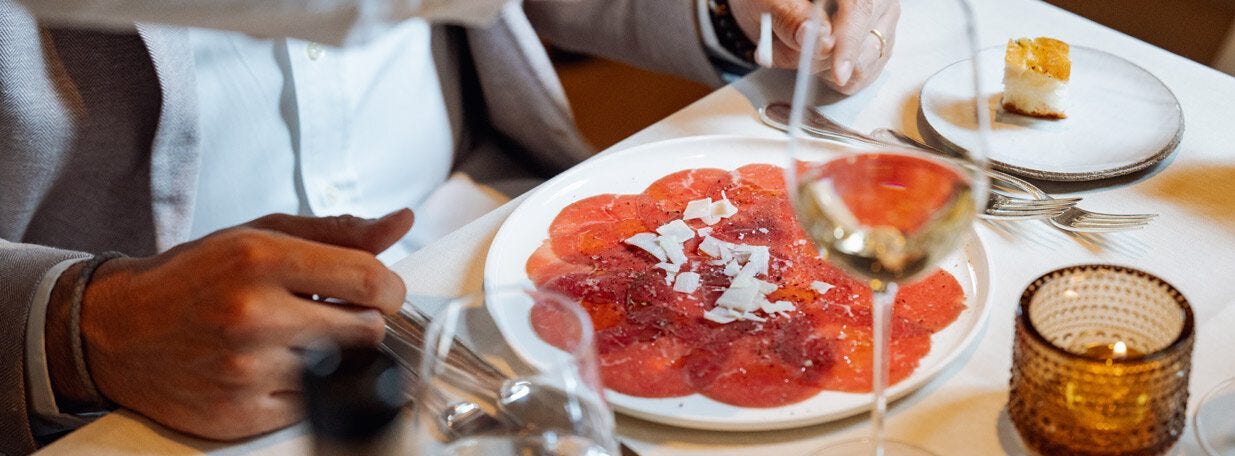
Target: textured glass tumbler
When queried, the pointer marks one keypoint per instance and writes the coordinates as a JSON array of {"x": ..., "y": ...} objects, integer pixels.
[{"x": 1100, "y": 363}]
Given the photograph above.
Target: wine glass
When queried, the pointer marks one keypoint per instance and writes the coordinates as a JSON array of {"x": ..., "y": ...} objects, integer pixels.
[
  {"x": 1214, "y": 419},
  {"x": 548, "y": 399},
  {"x": 885, "y": 214}
]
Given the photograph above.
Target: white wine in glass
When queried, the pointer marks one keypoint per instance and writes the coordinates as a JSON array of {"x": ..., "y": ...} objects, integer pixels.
[
  {"x": 887, "y": 215},
  {"x": 884, "y": 214}
]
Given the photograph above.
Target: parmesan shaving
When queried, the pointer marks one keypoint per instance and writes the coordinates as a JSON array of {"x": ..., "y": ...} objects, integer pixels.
[
  {"x": 821, "y": 287},
  {"x": 721, "y": 315},
  {"x": 708, "y": 211},
  {"x": 677, "y": 230},
  {"x": 752, "y": 317},
  {"x": 687, "y": 282},
  {"x": 669, "y": 267},
  {"x": 766, "y": 287},
  {"x": 696, "y": 209},
  {"x": 723, "y": 209},
  {"x": 848, "y": 310},
  {"x": 745, "y": 277},
  {"x": 739, "y": 298},
  {"x": 781, "y": 308},
  {"x": 647, "y": 242},
  {"x": 760, "y": 256},
  {"x": 673, "y": 250},
  {"x": 711, "y": 246}
]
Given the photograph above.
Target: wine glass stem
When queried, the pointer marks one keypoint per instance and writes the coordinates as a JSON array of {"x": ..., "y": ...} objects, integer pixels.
[{"x": 884, "y": 298}]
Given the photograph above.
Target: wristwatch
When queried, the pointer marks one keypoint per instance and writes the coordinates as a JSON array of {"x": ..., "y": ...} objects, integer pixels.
[{"x": 736, "y": 51}]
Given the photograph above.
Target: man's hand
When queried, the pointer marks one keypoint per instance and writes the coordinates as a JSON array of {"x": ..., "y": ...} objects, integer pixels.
[
  {"x": 847, "y": 49},
  {"x": 205, "y": 338}
]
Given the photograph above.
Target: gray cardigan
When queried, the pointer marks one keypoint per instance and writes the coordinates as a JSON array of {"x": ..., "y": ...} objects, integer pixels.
[{"x": 99, "y": 142}]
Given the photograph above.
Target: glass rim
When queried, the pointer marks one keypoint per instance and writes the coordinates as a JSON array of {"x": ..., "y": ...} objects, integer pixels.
[
  {"x": 478, "y": 298},
  {"x": 1196, "y": 419},
  {"x": 1186, "y": 332}
]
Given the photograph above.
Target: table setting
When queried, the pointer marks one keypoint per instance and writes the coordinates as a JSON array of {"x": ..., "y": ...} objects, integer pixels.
[{"x": 1069, "y": 298}]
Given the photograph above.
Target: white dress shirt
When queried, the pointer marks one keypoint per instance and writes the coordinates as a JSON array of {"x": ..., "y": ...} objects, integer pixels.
[{"x": 296, "y": 127}]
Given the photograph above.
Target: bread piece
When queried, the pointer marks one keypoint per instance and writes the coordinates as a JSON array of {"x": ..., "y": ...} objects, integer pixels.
[{"x": 1035, "y": 77}]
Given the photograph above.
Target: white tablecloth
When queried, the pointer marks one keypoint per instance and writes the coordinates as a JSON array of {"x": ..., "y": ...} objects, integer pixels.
[{"x": 1192, "y": 245}]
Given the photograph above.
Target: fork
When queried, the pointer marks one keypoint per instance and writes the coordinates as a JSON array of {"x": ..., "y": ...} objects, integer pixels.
[
  {"x": 1003, "y": 207},
  {"x": 999, "y": 206},
  {"x": 1071, "y": 219},
  {"x": 1080, "y": 220}
]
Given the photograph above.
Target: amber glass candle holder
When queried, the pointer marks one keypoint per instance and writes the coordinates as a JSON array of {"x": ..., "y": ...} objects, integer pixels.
[{"x": 1100, "y": 363}]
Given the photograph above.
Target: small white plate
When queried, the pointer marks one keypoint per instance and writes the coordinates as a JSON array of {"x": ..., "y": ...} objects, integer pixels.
[
  {"x": 631, "y": 171},
  {"x": 1121, "y": 119}
]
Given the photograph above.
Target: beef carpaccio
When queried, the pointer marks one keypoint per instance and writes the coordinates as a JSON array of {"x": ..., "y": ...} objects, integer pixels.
[{"x": 666, "y": 322}]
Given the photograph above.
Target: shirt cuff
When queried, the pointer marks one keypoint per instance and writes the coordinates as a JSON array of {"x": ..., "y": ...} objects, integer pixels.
[{"x": 47, "y": 418}]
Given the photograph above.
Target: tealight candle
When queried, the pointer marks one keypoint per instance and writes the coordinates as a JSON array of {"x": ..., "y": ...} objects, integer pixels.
[
  {"x": 1112, "y": 351},
  {"x": 1100, "y": 363}
]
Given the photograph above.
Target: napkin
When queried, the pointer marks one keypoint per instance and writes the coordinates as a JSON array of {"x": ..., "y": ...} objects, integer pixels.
[
  {"x": 452, "y": 266},
  {"x": 455, "y": 203}
]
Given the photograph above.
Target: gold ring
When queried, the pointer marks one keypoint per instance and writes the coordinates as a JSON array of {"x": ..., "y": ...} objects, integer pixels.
[{"x": 883, "y": 42}]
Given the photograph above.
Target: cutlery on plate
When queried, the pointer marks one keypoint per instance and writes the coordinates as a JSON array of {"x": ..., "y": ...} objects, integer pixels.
[
  {"x": 999, "y": 206},
  {"x": 776, "y": 115}
]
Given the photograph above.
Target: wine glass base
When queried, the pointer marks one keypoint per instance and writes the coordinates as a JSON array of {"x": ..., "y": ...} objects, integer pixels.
[
  {"x": 865, "y": 447},
  {"x": 1214, "y": 421}
]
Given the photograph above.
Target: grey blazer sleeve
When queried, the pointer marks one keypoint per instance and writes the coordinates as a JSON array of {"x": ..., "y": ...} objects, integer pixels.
[
  {"x": 660, "y": 35},
  {"x": 22, "y": 267}
]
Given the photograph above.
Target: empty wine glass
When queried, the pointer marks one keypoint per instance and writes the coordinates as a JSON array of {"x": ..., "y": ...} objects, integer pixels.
[
  {"x": 885, "y": 214},
  {"x": 1214, "y": 420},
  {"x": 549, "y": 402}
]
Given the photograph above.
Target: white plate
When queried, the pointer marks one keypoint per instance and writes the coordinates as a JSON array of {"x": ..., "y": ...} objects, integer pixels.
[
  {"x": 631, "y": 171},
  {"x": 1121, "y": 119}
]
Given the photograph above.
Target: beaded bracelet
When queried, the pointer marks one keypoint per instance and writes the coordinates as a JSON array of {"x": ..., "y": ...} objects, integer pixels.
[{"x": 76, "y": 344}]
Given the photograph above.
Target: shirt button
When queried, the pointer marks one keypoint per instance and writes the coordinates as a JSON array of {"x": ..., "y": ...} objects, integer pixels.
[{"x": 315, "y": 51}]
